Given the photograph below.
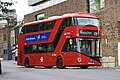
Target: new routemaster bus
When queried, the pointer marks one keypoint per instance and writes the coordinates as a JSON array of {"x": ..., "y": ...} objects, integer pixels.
[{"x": 68, "y": 40}]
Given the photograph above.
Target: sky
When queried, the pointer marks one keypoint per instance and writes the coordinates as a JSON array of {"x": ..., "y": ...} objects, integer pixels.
[{"x": 21, "y": 7}]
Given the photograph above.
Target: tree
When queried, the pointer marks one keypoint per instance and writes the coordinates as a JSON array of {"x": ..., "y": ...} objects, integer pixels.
[{"x": 4, "y": 7}]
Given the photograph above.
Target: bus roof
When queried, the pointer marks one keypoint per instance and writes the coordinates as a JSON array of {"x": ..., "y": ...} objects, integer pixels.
[{"x": 78, "y": 14}]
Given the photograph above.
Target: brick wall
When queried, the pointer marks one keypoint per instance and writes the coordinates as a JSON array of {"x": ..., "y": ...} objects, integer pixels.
[
  {"x": 110, "y": 26},
  {"x": 4, "y": 42},
  {"x": 68, "y": 6}
]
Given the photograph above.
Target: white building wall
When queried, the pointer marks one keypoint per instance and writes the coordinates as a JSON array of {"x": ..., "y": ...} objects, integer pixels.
[
  {"x": 31, "y": 2},
  {"x": 45, "y": 4}
]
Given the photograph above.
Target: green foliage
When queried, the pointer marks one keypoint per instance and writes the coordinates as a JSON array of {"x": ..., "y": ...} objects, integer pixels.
[{"x": 4, "y": 7}]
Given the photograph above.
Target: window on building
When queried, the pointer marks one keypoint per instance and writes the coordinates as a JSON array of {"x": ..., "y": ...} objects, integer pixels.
[
  {"x": 5, "y": 51},
  {"x": 44, "y": 4},
  {"x": 102, "y": 4},
  {"x": 96, "y": 5},
  {"x": 1, "y": 38},
  {"x": 40, "y": 16}
]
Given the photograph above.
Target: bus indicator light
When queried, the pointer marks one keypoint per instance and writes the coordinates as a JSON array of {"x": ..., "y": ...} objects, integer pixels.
[
  {"x": 53, "y": 54},
  {"x": 77, "y": 34}
]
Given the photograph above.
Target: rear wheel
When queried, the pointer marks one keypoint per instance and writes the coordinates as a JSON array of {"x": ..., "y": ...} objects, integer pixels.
[
  {"x": 59, "y": 63},
  {"x": 27, "y": 63}
]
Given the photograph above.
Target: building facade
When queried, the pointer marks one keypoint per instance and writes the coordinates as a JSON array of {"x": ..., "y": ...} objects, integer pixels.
[
  {"x": 5, "y": 50},
  {"x": 14, "y": 32},
  {"x": 107, "y": 10},
  {"x": 5, "y": 43}
]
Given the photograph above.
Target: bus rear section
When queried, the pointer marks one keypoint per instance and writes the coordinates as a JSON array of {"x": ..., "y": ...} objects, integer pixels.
[{"x": 73, "y": 40}]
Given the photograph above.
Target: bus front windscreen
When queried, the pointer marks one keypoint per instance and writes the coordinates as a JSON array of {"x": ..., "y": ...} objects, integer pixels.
[
  {"x": 87, "y": 21},
  {"x": 89, "y": 47}
]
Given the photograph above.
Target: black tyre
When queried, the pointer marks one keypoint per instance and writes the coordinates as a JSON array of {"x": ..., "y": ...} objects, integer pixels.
[
  {"x": 27, "y": 63},
  {"x": 0, "y": 68},
  {"x": 59, "y": 63},
  {"x": 48, "y": 67},
  {"x": 84, "y": 67}
]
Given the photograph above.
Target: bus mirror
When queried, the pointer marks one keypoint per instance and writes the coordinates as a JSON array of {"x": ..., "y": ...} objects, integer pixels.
[{"x": 70, "y": 41}]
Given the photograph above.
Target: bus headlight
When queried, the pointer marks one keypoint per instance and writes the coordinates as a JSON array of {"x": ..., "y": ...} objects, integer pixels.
[{"x": 79, "y": 60}]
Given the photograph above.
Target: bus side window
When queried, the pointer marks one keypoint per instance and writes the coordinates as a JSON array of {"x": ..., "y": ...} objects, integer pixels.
[
  {"x": 40, "y": 48},
  {"x": 49, "y": 25},
  {"x": 63, "y": 25},
  {"x": 40, "y": 27},
  {"x": 50, "y": 47},
  {"x": 69, "y": 22},
  {"x": 34, "y": 48},
  {"x": 46, "y": 26},
  {"x": 28, "y": 29},
  {"x": 23, "y": 30},
  {"x": 25, "y": 49},
  {"x": 66, "y": 22},
  {"x": 35, "y": 28},
  {"x": 28, "y": 49}
]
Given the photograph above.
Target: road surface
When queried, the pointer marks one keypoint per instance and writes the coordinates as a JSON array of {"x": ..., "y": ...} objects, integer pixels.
[{"x": 13, "y": 72}]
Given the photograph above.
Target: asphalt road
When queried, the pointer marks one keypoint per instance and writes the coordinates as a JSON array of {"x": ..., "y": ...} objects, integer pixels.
[{"x": 13, "y": 72}]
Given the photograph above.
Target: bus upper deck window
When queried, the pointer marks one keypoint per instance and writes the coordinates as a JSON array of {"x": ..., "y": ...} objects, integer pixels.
[{"x": 22, "y": 30}]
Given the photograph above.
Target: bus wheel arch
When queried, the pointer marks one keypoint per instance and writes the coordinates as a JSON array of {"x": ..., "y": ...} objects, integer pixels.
[
  {"x": 59, "y": 62},
  {"x": 48, "y": 67},
  {"x": 84, "y": 67},
  {"x": 27, "y": 63}
]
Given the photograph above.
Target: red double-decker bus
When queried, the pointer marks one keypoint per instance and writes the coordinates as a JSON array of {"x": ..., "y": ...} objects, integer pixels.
[{"x": 67, "y": 40}]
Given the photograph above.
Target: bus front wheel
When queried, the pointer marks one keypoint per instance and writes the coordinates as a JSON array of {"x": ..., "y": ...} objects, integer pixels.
[{"x": 59, "y": 63}]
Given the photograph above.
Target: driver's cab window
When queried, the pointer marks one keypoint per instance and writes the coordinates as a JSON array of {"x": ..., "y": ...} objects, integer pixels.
[
  {"x": 84, "y": 47},
  {"x": 70, "y": 45}
]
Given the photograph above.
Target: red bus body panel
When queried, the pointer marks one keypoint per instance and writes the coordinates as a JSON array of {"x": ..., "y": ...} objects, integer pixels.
[{"x": 49, "y": 59}]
